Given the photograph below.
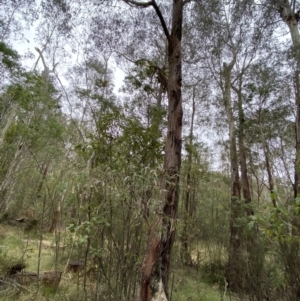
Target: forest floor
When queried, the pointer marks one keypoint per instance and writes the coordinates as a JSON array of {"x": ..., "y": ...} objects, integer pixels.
[{"x": 17, "y": 248}]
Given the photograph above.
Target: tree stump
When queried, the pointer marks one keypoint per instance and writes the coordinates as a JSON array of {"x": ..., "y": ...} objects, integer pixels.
[{"x": 51, "y": 279}]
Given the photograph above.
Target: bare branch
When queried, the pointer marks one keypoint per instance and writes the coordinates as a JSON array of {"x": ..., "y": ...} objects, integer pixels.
[
  {"x": 46, "y": 69},
  {"x": 162, "y": 20},
  {"x": 140, "y": 4},
  {"x": 157, "y": 10},
  {"x": 294, "y": 4}
]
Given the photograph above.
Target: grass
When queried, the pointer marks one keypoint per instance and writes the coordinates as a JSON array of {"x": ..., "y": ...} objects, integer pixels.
[
  {"x": 19, "y": 247},
  {"x": 187, "y": 284}
]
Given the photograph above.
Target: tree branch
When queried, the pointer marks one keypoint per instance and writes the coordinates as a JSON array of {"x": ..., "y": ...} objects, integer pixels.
[
  {"x": 162, "y": 20},
  {"x": 137, "y": 3},
  {"x": 157, "y": 10},
  {"x": 294, "y": 5}
]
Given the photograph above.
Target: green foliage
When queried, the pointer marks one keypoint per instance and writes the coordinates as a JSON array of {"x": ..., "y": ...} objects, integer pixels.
[
  {"x": 9, "y": 57},
  {"x": 35, "y": 97},
  {"x": 274, "y": 276},
  {"x": 214, "y": 272},
  {"x": 275, "y": 223},
  {"x": 143, "y": 84}
]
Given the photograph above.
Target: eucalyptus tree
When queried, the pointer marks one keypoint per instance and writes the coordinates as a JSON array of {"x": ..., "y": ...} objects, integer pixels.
[
  {"x": 159, "y": 246},
  {"x": 14, "y": 16},
  {"x": 37, "y": 120},
  {"x": 54, "y": 27},
  {"x": 269, "y": 112},
  {"x": 9, "y": 67},
  {"x": 185, "y": 248},
  {"x": 232, "y": 35},
  {"x": 196, "y": 107},
  {"x": 12, "y": 13},
  {"x": 288, "y": 12}
]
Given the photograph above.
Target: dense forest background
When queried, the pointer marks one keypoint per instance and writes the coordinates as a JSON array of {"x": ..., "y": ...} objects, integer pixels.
[{"x": 154, "y": 145}]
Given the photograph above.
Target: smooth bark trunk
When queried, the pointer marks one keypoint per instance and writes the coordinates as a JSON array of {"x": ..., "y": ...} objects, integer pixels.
[
  {"x": 234, "y": 272},
  {"x": 185, "y": 250},
  {"x": 292, "y": 261},
  {"x": 273, "y": 194},
  {"x": 8, "y": 124},
  {"x": 7, "y": 183}
]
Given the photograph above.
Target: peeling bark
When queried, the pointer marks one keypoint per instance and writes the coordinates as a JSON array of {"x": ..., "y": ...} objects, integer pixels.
[{"x": 151, "y": 257}]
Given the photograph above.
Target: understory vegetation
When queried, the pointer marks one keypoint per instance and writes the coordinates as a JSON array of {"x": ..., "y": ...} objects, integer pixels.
[
  {"x": 149, "y": 150},
  {"x": 199, "y": 282}
]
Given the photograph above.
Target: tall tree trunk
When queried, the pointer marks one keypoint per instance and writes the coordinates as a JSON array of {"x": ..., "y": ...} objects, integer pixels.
[
  {"x": 9, "y": 121},
  {"x": 43, "y": 170},
  {"x": 287, "y": 13},
  {"x": 234, "y": 273},
  {"x": 253, "y": 269},
  {"x": 266, "y": 150},
  {"x": 185, "y": 250},
  {"x": 172, "y": 162},
  {"x": 292, "y": 251},
  {"x": 7, "y": 183},
  {"x": 242, "y": 148},
  {"x": 56, "y": 219},
  {"x": 297, "y": 161},
  {"x": 155, "y": 268}
]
